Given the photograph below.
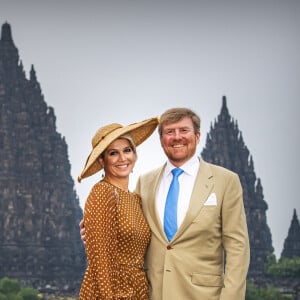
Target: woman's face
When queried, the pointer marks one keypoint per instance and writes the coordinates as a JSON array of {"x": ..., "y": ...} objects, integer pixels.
[{"x": 119, "y": 159}]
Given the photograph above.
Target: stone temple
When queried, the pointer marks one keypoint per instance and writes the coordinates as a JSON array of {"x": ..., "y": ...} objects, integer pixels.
[
  {"x": 225, "y": 147},
  {"x": 39, "y": 209},
  {"x": 291, "y": 246}
]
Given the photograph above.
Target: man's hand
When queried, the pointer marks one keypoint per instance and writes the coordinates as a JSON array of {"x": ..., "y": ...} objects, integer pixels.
[{"x": 82, "y": 231}]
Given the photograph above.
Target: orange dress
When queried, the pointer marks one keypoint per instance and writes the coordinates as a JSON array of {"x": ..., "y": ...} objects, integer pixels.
[{"x": 117, "y": 237}]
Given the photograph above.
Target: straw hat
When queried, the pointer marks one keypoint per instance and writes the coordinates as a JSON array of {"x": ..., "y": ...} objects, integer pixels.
[{"x": 106, "y": 135}]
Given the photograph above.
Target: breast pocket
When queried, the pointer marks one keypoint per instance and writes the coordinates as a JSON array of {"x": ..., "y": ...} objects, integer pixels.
[
  {"x": 208, "y": 214},
  {"x": 207, "y": 226}
]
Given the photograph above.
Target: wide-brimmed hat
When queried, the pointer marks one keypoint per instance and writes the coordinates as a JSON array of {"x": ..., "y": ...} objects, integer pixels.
[{"x": 107, "y": 134}]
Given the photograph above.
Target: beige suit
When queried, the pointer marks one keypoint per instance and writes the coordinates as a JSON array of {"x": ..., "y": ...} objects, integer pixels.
[{"x": 191, "y": 266}]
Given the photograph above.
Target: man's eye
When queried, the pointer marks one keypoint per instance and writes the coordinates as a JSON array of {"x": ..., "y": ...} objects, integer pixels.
[
  {"x": 169, "y": 131},
  {"x": 185, "y": 130}
]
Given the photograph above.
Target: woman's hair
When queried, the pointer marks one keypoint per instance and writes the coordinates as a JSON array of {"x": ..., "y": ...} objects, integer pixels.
[
  {"x": 174, "y": 115},
  {"x": 129, "y": 138}
]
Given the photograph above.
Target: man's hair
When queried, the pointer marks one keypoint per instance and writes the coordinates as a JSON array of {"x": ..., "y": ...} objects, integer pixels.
[{"x": 174, "y": 115}]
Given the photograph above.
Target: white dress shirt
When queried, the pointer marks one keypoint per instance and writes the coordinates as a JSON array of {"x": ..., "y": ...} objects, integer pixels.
[{"x": 186, "y": 185}]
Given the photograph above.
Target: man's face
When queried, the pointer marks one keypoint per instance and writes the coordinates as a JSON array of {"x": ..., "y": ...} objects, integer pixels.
[{"x": 179, "y": 141}]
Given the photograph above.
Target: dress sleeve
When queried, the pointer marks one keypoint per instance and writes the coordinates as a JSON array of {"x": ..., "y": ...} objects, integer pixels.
[{"x": 100, "y": 221}]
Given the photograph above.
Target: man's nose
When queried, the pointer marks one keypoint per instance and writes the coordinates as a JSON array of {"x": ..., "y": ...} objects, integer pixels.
[{"x": 177, "y": 134}]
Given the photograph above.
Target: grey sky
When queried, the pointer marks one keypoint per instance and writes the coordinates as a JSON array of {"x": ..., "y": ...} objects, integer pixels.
[{"x": 123, "y": 61}]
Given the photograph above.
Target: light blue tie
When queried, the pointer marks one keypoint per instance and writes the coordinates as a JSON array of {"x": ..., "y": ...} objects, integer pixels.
[{"x": 170, "y": 217}]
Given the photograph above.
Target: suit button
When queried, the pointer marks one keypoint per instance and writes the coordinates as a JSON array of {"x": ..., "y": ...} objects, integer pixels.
[{"x": 169, "y": 247}]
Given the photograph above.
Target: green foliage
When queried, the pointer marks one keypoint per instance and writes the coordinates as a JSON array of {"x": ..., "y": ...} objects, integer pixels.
[
  {"x": 9, "y": 286},
  {"x": 2, "y": 296},
  {"x": 286, "y": 267},
  {"x": 253, "y": 292},
  {"x": 28, "y": 293},
  {"x": 13, "y": 296},
  {"x": 10, "y": 289}
]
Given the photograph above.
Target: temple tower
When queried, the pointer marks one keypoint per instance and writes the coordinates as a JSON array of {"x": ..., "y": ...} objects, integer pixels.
[
  {"x": 291, "y": 247},
  {"x": 225, "y": 147},
  {"x": 39, "y": 209}
]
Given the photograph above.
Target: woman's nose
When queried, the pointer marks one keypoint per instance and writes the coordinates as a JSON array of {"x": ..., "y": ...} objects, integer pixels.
[{"x": 122, "y": 156}]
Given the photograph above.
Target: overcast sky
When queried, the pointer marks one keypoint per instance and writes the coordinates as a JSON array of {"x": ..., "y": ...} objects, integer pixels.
[{"x": 101, "y": 62}]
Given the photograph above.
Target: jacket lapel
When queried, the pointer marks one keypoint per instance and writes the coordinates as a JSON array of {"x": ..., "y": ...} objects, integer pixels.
[
  {"x": 153, "y": 218},
  {"x": 202, "y": 188}
]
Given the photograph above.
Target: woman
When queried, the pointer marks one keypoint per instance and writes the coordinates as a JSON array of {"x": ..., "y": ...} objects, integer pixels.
[{"x": 116, "y": 233}]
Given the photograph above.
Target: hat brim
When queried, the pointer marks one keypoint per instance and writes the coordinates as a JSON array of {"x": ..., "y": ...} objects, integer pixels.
[{"x": 139, "y": 132}]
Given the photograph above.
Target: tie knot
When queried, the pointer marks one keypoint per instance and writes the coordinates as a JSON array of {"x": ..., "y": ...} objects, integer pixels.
[{"x": 177, "y": 172}]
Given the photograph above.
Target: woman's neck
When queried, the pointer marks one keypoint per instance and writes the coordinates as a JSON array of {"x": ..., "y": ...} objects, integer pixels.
[{"x": 121, "y": 183}]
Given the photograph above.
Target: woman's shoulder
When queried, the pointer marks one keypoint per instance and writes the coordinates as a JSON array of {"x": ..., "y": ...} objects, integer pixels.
[
  {"x": 101, "y": 193},
  {"x": 134, "y": 195},
  {"x": 101, "y": 185}
]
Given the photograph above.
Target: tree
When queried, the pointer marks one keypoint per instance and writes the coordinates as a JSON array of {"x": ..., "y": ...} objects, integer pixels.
[
  {"x": 253, "y": 292},
  {"x": 9, "y": 286},
  {"x": 28, "y": 293},
  {"x": 10, "y": 289},
  {"x": 287, "y": 267}
]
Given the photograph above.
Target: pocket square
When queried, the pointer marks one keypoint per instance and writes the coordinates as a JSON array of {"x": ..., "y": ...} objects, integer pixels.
[{"x": 211, "y": 200}]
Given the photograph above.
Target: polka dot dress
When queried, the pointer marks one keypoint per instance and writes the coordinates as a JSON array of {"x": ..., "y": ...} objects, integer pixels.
[{"x": 117, "y": 237}]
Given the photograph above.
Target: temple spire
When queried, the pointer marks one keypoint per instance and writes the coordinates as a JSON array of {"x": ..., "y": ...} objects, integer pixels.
[
  {"x": 291, "y": 247},
  {"x": 224, "y": 103},
  {"x": 6, "y": 35},
  {"x": 33, "y": 78},
  {"x": 32, "y": 74},
  {"x": 224, "y": 115},
  {"x": 225, "y": 146},
  {"x": 224, "y": 108},
  {"x": 8, "y": 51}
]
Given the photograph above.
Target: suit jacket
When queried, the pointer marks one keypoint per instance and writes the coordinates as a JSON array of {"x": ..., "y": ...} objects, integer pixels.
[{"x": 192, "y": 265}]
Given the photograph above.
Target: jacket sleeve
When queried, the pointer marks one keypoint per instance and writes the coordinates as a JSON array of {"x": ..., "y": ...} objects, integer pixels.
[
  {"x": 137, "y": 189},
  {"x": 235, "y": 241},
  {"x": 100, "y": 217}
]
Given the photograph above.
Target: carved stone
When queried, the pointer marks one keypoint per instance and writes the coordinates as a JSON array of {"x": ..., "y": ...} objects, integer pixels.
[
  {"x": 39, "y": 208},
  {"x": 291, "y": 247},
  {"x": 225, "y": 147}
]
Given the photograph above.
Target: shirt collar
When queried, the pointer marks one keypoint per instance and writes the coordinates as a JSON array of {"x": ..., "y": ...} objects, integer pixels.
[{"x": 190, "y": 167}]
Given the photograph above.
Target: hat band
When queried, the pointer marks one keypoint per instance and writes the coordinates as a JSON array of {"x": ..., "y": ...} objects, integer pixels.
[{"x": 95, "y": 141}]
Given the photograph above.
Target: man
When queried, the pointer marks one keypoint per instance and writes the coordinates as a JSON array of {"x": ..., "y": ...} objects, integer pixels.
[
  {"x": 210, "y": 216},
  {"x": 211, "y": 223}
]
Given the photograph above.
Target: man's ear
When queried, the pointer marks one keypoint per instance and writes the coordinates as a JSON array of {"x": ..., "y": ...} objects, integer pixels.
[{"x": 198, "y": 135}]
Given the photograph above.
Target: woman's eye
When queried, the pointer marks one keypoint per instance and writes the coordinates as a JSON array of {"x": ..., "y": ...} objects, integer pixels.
[
  {"x": 128, "y": 150},
  {"x": 112, "y": 153}
]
